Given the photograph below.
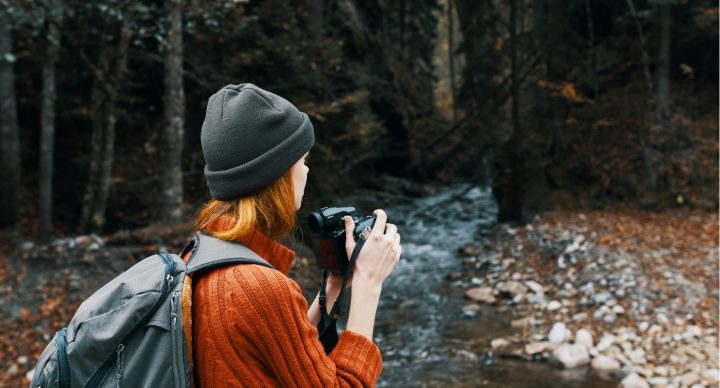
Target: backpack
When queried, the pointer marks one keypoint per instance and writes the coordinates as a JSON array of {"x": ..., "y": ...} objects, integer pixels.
[{"x": 130, "y": 332}]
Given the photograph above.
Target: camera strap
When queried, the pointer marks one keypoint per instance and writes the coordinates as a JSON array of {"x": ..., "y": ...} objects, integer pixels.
[{"x": 327, "y": 327}]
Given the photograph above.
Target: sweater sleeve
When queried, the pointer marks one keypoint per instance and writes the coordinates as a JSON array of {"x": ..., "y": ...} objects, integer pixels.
[{"x": 291, "y": 348}]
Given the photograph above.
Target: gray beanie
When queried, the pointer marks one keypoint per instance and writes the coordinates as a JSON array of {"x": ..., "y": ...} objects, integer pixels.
[{"x": 250, "y": 138}]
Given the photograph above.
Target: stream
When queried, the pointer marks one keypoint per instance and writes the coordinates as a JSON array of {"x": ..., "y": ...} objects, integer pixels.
[{"x": 425, "y": 338}]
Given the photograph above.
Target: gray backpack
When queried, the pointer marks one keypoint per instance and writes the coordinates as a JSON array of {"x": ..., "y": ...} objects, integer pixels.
[{"x": 127, "y": 334}]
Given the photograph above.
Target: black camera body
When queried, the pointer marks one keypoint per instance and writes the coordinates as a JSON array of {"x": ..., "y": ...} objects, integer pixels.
[{"x": 328, "y": 230}]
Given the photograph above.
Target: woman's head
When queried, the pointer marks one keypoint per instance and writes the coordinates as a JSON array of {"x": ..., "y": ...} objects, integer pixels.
[
  {"x": 250, "y": 138},
  {"x": 255, "y": 145}
]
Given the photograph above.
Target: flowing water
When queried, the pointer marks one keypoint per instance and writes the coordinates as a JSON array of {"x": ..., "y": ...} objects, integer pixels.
[{"x": 425, "y": 338}]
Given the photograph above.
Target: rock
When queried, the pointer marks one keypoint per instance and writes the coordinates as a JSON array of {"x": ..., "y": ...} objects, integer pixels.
[
  {"x": 27, "y": 245},
  {"x": 605, "y": 342},
  {"x": 476, "y": 281},
  {"x": 524, "y": 322},
  {"x": 534, "y": 287},
  {"x": 481, "y": 294},
  {"x": 454, "y": 276},
  {"x": 571, "y": 356},
  {"x": 558, "y": 334},
  {"x": 711, "y": 376},
  {"x": 659, "y": 381},
  {"x": 499, "y": 343},
  {"x": 692, "y": 332},
  {"x": 600, "y": 312},
  {"x": 642, "y": 326},
  {"x": 636, "y": 356},
  {"x": 619, "y": 310},
  {"x": 605, "y": 364},
  {"x": 689, "y": 379},
  {"x": 466, "y": 355},
  {"x": 634, "y": 381},
  {"x": 83, "y": 240},
  {"x": 580, "y": 316},
  {"x": 601, "y": 297},
  {"x": 536, "y": 299},
  {"x": 553, "y": 305},
  {"x": 584, "y": 338},
  {"x": 31, "y": 373},
  {"x": 469, "y": 250},
  {"x": 536, "y": 347},
  {"x": 516, "y": 276},
  {"x": 516, "y": 288},
  {"x": 662, "y": 319},
  {"x": 661, "y": 371}
]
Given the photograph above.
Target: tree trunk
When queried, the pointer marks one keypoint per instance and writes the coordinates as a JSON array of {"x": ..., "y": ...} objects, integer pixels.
[
  {"x": 104, "y": 117},
  {"x": 643, "y": 47},
  {"x": 317, "y": 18},
  {"x": 174, "y": 117},
  {"x": 662, "y": 112},
  {"x": 9, "y": 136},
  {"x": 451, "y": 58},
  {"x": 511, "y": 195},
  {"x": 593, "y": 52},
  {"x": 47, "y": 140}
]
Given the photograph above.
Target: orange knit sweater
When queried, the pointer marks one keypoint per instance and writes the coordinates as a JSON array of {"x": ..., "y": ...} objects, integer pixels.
[{"x": 250, "y": 329}]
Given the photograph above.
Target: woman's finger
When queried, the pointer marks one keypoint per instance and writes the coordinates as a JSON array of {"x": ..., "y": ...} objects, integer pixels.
[
  {"x": 390, "y": 231},
  {"x": 349, "y": 226},
  {"x": 380, "y": 220}
]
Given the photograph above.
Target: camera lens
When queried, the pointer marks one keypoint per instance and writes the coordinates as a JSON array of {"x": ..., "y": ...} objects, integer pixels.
[{"x": 315, "y": 222}]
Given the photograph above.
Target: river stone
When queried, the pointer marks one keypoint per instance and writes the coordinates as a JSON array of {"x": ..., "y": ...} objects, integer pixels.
[
  {"x": 605, "y": 364},
  {"x": 499, "y": 343},
  {"x": 605, "y": 342},
  {"x": 658, "y": 380},
  {"x": 558, "y": 334},
  {"x": 584, "y": 338},
  {"x": 553, "y": 305},
  {"x": 571, "y": 356},
  {"x": 634, "y": 381},
  {"x": 689, "y": 379},
  {"x": 535, "y": 287},
  {"x": 661, "y": 371},
  {"x": 601, "y": 297},
  {"x": 481, "y": 294},
  {"x": 711, "y": 376},
  {"x": 536, "y": 347}
]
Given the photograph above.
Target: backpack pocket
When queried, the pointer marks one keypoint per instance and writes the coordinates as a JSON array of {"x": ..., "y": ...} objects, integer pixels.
[{"x": 46, "y": 370}]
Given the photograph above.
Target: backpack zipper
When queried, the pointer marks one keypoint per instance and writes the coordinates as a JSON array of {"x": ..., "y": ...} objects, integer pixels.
[
  {"x": 170, "y": 267},
  {"x": 176, "y": 341}
]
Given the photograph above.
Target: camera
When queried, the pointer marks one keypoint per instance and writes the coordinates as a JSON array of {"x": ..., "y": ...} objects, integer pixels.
[{"x": 328, "y": 230}]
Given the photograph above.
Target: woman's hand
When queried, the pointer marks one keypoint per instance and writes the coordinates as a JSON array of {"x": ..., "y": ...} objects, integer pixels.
[{"x": 379, "y": 254}]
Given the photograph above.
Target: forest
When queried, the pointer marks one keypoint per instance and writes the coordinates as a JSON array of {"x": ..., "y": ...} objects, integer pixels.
[{"x": 606, "y": 110}]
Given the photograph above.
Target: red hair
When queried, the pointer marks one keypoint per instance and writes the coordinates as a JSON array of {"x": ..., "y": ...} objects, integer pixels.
[{"x": 270, "y": 211}]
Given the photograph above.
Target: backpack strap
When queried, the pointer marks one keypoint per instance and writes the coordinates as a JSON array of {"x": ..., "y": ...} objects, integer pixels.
[{"x": 209, "y": 252}]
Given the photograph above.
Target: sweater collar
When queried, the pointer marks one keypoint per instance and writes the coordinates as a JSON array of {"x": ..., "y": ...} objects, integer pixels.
[{"x": 278, "y": 255}]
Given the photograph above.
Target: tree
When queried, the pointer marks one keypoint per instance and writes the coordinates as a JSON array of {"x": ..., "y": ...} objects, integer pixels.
[
  {"x": 662, "y": 112},
  {"x": 9, "y": 136},
  {"x": 53, "y": 19},
  {"x": 174, "y": 116},
  {"x": 106, "y": 86}
]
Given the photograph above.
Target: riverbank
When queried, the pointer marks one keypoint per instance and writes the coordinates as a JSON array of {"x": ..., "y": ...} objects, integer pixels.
[{"x": 632, "y": 295}]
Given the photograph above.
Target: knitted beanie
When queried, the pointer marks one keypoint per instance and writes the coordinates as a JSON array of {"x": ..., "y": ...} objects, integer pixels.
[{"x": 250, "y": 138}]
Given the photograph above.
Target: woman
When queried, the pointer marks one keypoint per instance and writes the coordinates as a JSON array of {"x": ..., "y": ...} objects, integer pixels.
[{"x": 250, "y": 324}]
